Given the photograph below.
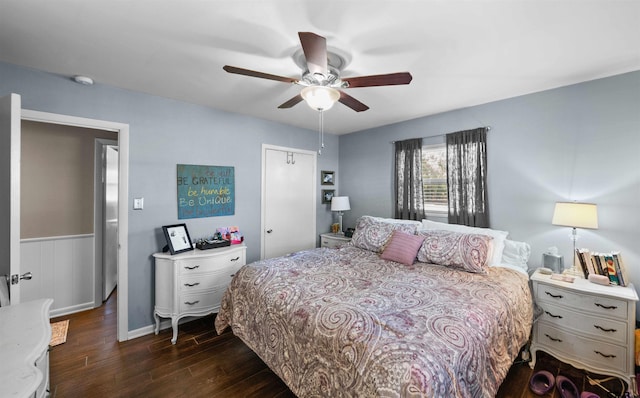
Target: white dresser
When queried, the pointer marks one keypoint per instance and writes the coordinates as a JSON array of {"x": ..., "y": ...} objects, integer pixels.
[
  {"x": 192, "y": 283},
  {"x": 587, "y": 325},
  {"x": 25, "y": 333}
]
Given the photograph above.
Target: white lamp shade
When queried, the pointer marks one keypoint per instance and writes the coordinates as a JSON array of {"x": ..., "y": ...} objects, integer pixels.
[
  {"x": 340, "y": 203},
  {"x": 320, "y": 98},
  {"x": 576, "y": 215}
]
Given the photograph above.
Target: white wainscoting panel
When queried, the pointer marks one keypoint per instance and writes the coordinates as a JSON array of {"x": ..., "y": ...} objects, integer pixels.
[{"x": 62, "y": 268}]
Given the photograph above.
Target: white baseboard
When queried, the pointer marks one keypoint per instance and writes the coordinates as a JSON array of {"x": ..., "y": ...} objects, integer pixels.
[
  {"x": 150, "y": 329},
  {"x": 71, "y": 309}
]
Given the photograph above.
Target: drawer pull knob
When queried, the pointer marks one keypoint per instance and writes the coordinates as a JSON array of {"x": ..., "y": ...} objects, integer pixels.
[
  {"x": 606, "y": 307},
  {"x": 554, "y": 295},
  {"x": 553, "y": 316},
  {"x": 604, "y": 329},
  {"x": 192, "y": 284},
  {"x": 553, "y": 338},
  {"x": 235, "y": 259},
  {"x": 605, "y": 355},
  {"x": 192, "y": 268},
  {"x": 192, "y": 302}
]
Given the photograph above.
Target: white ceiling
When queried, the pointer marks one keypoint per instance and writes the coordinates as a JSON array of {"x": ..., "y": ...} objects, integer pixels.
[{"x": 460, "y": 53}]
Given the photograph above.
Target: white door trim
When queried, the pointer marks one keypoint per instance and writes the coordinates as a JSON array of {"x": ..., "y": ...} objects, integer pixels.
[
  {"x": 263, "y": 221},
  {"x": 123, "y": 199}
]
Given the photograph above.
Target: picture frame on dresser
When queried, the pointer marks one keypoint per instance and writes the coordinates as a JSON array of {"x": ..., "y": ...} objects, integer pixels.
[{"x": 178, "y": 239}]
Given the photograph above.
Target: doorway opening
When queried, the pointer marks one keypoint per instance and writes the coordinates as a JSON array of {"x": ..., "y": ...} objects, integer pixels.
[{"x": 122, "y": 131}]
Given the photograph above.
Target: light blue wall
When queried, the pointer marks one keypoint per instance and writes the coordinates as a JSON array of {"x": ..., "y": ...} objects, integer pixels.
[
  {"x": 163, "y": 133},
  {"x": 580, "y": 142}
]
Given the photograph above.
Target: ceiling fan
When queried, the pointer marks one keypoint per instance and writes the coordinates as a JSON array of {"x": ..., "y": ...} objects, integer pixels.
[{"x": 321, "y": 80}]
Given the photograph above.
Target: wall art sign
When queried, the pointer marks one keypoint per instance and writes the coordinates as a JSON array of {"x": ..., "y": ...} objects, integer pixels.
[{"x": 205, "y": 191}]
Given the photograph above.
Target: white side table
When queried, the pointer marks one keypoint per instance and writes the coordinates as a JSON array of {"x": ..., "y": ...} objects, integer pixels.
[{"x": 587, "y": 325}]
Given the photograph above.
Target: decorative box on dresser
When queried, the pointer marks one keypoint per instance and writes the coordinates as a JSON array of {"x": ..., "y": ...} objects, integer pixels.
[
  {"x": 333, "y": 240},
  {"x": 587, "y": 325},
  {"x": 25, "y": 333},
  {"x": 192, "y": 283}
]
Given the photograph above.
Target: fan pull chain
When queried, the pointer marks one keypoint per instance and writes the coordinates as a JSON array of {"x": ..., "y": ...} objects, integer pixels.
[{"x": 321, "y": 128}]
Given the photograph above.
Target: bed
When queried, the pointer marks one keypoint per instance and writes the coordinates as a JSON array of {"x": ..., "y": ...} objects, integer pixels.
[{"x": 348, "y": 322}]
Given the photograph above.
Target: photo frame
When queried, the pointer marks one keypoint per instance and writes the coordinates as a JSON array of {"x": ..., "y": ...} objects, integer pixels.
[
  {"x": 327, "y": 177},
  {"x": 178, "y": 238},
  {"x": 327, "y": 195}
]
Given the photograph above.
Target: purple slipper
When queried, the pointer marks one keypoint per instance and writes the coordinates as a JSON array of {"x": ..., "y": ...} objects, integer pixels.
[
  {"x": 541, "y": 382},
  {"x": 566, "y": 388},
  {"x": 588, "y": 394}
]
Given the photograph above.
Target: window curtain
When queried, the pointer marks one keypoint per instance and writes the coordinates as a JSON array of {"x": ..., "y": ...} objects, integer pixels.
[
  {"x": 467, "y": 177},
  {"x": 408, "y": 186}
]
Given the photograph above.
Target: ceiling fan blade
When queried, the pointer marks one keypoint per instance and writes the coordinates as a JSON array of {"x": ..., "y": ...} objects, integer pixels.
[
  {"x": 352, "y": 103},
  {"x": 390, "y": 79},
  {"x": 293, "y": 101},
  {"x": 262, "y": 75},
  {"x": 315, "y": 51}
]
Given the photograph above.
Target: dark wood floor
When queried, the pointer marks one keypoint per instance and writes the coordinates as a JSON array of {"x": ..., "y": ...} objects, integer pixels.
[{"x": 93, "y": 364}]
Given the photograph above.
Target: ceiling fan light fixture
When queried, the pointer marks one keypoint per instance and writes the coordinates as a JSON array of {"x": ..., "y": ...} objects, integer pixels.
[{"x": 320, "y": 98}]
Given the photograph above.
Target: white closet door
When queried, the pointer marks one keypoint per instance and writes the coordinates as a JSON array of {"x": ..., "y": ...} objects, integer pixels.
[{"x": 288, "y": 201}]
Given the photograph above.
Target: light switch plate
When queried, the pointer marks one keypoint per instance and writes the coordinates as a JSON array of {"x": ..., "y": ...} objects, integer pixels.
[{"x": 138, "y": 203}]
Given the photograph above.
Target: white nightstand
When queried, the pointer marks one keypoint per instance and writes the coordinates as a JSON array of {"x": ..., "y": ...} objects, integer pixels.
[
  {"x": 333, "y": 240},
  {"x": 587, "y": 325}
]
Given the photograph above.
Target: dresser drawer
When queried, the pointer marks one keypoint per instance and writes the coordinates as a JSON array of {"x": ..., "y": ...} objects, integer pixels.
[
  {"x": 201, "y": 301},
  {"x": 209, "y": 264},
  {"x": 194, "y": 282},
  {"x": 595, "y": 305},
  {"x": 598, "y": 354},
  {"x": 331, "y": 243},
  {"x": 608, "y": 330}
]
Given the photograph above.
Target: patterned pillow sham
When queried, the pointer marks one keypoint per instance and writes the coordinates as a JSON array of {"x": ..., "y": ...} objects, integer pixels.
[
  {"x": 469, "y": 252},
  {"x": 402, "y": 248},
  {"x": 373, "y": 233},
  {"x": 497, "y": 247}
]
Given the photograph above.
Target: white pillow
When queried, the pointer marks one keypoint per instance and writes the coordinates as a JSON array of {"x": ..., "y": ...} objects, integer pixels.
[
  {"x": 418, "y": 224},
  {"x": 516, "y": 253},
  {"x": 498, "y": 236}
]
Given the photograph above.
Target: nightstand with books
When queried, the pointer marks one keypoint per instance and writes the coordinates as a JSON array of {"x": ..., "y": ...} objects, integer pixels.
[{"x": 587, "y": 325}]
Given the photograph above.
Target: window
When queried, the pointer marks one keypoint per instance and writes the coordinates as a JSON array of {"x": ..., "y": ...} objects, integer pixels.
[{"x": 434, "y": 178}]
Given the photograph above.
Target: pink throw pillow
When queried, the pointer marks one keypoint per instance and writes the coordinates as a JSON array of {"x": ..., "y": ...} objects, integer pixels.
[{"x": 402, "y": 248}]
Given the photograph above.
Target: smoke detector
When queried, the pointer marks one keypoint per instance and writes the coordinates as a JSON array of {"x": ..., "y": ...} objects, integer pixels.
[{"x": 84, "y": 80}]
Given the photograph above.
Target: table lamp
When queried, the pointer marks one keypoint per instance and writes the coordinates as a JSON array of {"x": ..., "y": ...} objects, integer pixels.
[
  {"x": 575, "y": 215},
  {"x": 340, "y": 204}
]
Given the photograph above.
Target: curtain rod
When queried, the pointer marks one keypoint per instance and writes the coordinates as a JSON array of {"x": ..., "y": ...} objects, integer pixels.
[{"x": 440, "y": 135}]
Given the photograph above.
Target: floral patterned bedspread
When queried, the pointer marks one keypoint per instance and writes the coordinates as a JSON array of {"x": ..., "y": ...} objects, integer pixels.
[{"x": 343, "y": 323}]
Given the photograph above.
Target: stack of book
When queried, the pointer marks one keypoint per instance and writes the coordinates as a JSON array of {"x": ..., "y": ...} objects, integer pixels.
[{"x": 606, "y": 264}]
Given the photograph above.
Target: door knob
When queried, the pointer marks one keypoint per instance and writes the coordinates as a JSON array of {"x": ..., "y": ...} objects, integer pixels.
[
  {"x": 17, "y": 278},
  {"x": 269, "y": 231}
]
